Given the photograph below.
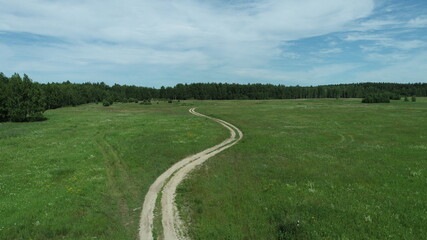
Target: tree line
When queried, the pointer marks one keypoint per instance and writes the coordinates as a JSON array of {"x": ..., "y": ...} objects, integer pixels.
[
  {"x": 21, "y": 99},
  {"x": 225, "y": 91}
]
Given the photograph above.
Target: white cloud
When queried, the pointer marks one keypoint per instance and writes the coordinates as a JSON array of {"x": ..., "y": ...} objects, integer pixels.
[
  {"x": 366, "y": 37},
  {"x": 404, "y": 45},
  {"x": 411, "y": 69},
  {"x": 387, "y": 58},
  {"x": 196, "y": 40},
  {"x": 291, "y": 55},
  {"x": 377, "y": 24},
  {"x": 418, "y": 22},
  {"x": 314, "y": 76},
  {"x": 328, "y": 51},
  {"x": 372, "y": 48},
  {"x": 384, "y": 41},
  {"x": 184, "y": 32}
]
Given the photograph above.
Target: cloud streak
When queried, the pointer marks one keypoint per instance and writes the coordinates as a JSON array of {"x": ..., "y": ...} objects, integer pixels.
[{"x": 181, "y": 41}]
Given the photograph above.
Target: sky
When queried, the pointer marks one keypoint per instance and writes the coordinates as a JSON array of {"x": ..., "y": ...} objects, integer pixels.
[{"x": 165, "y": 42}]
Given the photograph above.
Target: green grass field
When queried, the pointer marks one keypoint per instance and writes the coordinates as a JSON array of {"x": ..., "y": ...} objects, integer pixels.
[
  {"x": 313, "y": 169},
  {"x": 83, "y": 173},
  {"x": 305, "y": 169}
]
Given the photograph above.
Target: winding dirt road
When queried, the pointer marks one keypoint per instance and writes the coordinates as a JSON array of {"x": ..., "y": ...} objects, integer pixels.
[{"x": 169, "y": 181}]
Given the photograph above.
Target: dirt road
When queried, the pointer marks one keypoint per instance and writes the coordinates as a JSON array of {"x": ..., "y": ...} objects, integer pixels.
[{"x": 168, "y": 182}]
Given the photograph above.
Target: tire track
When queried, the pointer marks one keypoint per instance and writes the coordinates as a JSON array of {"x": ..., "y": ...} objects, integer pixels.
[{"x": 169, "y": 181}]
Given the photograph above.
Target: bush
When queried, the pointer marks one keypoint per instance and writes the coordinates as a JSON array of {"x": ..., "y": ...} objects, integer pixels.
[
  {"x": 377, "y": 98},
  {"x": 106, "y": 103},
  {"x": 36, "y": 117},
  {"x": 395, "y": 96},
  {"x": 134, "y": 100},
  {"x": 414, "y": 99},
  {"x": 390, "y": 95},
  {"x": 406, "y": 99},
  {"x": 146, "y": 102}
]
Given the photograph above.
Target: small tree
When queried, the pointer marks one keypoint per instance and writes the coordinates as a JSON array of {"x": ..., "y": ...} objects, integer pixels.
[
  {"x": 414, "y": 99},
  {"x": 406, "y": 99}
]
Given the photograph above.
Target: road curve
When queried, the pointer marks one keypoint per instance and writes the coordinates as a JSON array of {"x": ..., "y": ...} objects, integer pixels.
[{"x": 169, "y": 181}]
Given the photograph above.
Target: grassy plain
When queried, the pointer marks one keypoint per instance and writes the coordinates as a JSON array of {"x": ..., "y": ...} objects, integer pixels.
[
  {"x": 84, "y": 172},
  {"x": 313, "y": 169},
  {"x": 306, "y": 169}
]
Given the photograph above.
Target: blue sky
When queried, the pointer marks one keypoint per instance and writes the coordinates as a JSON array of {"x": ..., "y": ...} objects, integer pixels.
[{"x": 165, "y": 42}]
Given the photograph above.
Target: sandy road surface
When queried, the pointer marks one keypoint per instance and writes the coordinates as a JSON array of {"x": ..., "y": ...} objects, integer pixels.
[{"x": 168, "y": 182}]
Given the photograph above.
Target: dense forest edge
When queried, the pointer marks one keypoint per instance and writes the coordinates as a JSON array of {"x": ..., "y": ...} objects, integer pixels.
[{"x": 23, "y": 100}]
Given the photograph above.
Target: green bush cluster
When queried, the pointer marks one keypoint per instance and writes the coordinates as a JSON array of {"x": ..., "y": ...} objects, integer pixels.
[
  {"x": 146, "y": 102},
  {"x": 106, "y": 103},
  {"x": 376, "y": 98},
  {"x": 130, "y": 100}
]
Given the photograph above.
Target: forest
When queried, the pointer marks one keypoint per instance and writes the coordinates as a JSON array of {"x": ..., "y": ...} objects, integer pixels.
[{"x": 23, "y": 100}]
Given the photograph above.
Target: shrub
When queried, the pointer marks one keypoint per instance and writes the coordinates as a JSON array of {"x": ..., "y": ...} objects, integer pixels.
[
  {"x": 146, "y": 102},
  {"x": 414, "y": 99},
  {"x": 395, "y": 97},
  {"x": 106, "y": 103},
  {"x": 406, "y": 99},
  {"x": 132, "y": 100},
  {"x": 377, "y": 98}
]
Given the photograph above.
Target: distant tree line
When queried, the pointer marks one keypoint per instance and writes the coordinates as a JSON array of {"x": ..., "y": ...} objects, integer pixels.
[
  {"x": 21, "y": 99},
  {"x": 225, "y": 91}
]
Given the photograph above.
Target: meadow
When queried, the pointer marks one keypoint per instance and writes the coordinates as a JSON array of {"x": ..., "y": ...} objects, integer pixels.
[
  {"x": 84, "y": 172},
  {"x": 305, "y": 169},
  {"x": 313, "y": 169}
]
